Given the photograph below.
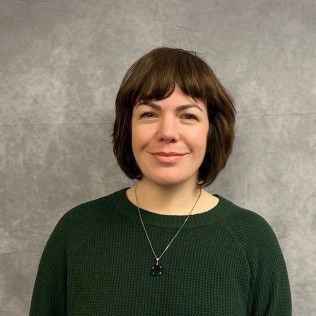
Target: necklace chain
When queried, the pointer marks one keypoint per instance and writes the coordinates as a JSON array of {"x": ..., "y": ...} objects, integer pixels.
[{"x": 158, "y": 258}]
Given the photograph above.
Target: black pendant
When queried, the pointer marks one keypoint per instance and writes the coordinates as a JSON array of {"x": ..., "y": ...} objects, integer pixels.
[{"x": 156, "y": 269}]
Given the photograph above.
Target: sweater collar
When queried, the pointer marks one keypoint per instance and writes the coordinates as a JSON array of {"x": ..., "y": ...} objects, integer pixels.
[{"x": 212, "y": 216}]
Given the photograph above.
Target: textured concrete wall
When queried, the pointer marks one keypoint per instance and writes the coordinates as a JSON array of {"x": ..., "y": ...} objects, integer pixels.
[{"x": 61, "y": 65}]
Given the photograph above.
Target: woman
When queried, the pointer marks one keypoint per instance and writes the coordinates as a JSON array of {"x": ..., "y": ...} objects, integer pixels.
[{"x": 165, "y": 246}]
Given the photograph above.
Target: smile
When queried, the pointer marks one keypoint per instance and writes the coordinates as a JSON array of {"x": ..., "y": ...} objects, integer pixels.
[{"x": 168, "y": 159}]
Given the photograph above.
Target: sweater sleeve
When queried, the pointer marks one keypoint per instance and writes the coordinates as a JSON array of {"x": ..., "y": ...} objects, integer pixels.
[
  {"x": 270, "y": 289},
  {"x": 49, "y": 293}
]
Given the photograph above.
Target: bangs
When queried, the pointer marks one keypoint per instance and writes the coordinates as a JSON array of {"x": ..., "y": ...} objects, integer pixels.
[{"x": 183, "y": 70}]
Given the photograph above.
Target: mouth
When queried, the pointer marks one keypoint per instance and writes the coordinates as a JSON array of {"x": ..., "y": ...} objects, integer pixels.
[
  {"x": 168, "y": 159},
  {"x": 168, "y": 154}
]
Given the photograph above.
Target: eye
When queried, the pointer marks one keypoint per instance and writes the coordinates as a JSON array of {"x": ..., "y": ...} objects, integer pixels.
[
  {"x": 186, "y": 115},
  {"x": 147, "y": 114},
  {"x": 190, "y": 116}
]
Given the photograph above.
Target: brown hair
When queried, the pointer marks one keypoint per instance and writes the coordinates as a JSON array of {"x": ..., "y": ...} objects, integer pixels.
[{"x": 154, "y": 76}]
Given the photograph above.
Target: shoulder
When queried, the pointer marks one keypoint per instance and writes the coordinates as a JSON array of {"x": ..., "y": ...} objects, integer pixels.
[
  {"x": 82, "y": 220},
  {"x": 88, "y": 209},
  {"x": 255, "y": 237},
  {"x": 269, "y": 291},
  {"x": 251, "y": 229}
]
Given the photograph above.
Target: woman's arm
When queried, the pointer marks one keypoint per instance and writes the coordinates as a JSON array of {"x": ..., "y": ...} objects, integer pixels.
[
  {"x": 49, "y": 293},
  {"x": 270, "y": 289}
]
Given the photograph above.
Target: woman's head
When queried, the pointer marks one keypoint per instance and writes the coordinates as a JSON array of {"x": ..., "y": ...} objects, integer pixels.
[{"x": 165, "y": 76}]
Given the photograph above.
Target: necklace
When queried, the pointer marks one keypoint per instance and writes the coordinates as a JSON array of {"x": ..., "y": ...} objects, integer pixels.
[{"x": 156, "y": 269}]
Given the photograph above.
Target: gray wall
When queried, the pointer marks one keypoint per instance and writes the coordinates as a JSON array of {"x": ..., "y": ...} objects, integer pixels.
[{"x": 61, "y": 65}]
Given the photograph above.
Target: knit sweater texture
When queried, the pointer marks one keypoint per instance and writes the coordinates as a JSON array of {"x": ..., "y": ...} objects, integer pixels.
[{"x": 97, "y": 261}]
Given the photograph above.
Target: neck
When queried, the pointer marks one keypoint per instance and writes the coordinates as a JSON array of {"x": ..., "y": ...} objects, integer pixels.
[{"x": 167, "y": 200}]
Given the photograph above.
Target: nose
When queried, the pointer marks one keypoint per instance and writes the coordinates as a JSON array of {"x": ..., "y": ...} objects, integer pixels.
[{"x": 167, "y": 130}]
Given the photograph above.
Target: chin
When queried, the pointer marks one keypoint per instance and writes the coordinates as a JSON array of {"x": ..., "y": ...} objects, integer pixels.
[{"x": 168, "y": 180}]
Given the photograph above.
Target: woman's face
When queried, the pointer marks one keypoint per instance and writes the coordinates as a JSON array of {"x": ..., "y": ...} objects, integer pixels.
[{"x": 177, "y": 125}]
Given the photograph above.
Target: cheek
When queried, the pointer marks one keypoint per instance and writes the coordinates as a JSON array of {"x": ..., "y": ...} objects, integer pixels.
[
  {"x": 199, "y": 138},
  {"x": 139, "y": 138}
]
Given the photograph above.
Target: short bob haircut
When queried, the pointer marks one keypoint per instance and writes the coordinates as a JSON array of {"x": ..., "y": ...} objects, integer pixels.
[{"x": 154, "y": 76}]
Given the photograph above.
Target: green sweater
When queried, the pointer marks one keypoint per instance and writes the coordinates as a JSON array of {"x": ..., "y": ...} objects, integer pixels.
[{"x": 97, "y": 261}]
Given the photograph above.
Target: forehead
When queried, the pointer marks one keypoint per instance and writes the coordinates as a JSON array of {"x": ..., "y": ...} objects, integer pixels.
[
  {"x": 198, "y": 105},
  {"x": 177, "y": 98}
]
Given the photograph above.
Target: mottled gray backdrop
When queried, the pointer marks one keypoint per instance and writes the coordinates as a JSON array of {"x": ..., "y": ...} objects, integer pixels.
[{"x": 61, "y": 65}]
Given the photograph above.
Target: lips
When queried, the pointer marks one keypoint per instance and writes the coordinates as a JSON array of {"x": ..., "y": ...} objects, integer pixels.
[
  {"x": 168, "y": 154},
  {"x": 168, "y": 158}
]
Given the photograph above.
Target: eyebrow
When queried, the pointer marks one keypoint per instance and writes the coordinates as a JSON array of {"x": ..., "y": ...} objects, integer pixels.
[{"x": 178, "y": 108}]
